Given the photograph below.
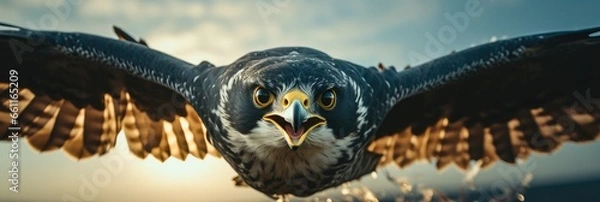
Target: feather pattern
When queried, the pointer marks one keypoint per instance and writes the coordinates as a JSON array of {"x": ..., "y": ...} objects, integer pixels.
[
  {"x": 78, "y": 96},
  {"x": 499, "y": 101}
]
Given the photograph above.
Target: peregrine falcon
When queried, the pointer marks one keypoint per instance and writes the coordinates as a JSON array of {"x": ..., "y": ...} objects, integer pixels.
[{"x": 294, "y": 120}]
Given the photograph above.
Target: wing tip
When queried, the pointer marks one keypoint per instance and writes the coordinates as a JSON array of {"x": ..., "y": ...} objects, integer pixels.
[
  {"x": 3, "y": 24},
  {"x": 585, "y": 33},
  {"x": 591, "y": 32}
]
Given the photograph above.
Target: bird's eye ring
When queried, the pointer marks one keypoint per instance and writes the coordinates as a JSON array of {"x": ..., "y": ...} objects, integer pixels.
[
  {"x": 262, "y": 97},
  {"x": 327, "y": 100}
]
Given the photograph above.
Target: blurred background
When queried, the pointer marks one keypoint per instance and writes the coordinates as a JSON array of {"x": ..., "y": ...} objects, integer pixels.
[{"x": 394, "y": 33}]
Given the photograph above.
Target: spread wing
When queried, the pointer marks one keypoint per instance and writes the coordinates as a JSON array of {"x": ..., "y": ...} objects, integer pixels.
[
  {"x": 77, "y": 92},
  {"x": 500, "y": 100}
]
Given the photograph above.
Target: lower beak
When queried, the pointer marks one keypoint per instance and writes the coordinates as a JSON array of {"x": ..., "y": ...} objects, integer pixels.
[{"x": 295, "y": 123}]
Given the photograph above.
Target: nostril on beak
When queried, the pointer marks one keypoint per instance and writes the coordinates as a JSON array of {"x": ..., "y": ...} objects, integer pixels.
[{"x": 295, "y": 95}]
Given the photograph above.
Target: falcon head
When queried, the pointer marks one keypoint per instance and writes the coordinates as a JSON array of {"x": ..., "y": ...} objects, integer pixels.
[
  {"x": 289, "y": 97},
  {"x": 292, "y": 114}
]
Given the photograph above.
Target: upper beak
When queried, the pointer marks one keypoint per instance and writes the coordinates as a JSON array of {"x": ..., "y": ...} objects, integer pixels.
[{"x": 295, "y": 122}]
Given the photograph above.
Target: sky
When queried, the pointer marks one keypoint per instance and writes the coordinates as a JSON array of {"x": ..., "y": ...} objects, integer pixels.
[{"x": 364, "y": 32}]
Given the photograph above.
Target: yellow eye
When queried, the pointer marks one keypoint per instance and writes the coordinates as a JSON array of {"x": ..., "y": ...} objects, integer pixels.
[
  {"x": 262, "y": 97},
  {"x": 327, "y": 100}
]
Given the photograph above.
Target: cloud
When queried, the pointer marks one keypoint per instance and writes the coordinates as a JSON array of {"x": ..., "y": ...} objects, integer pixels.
[
  {"x": 205, "y": 41},
  {"x": 138, "y": 10},
  {"x": 222, "y": 31},
  {"x": 9, "y": 13},
  {"x": 229, "y": 30}
]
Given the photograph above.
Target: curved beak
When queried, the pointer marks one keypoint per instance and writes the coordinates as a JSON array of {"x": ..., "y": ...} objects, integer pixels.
[{"x": 295, "y": 122}]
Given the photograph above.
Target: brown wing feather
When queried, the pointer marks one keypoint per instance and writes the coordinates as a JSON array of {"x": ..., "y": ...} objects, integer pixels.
[
  {"x": 50, "y": 124},
  {"x": 514, "y": 139}
]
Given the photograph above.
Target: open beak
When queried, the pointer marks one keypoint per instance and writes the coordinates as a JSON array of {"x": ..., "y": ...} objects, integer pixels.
[{"x": 295, "y": 122}]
